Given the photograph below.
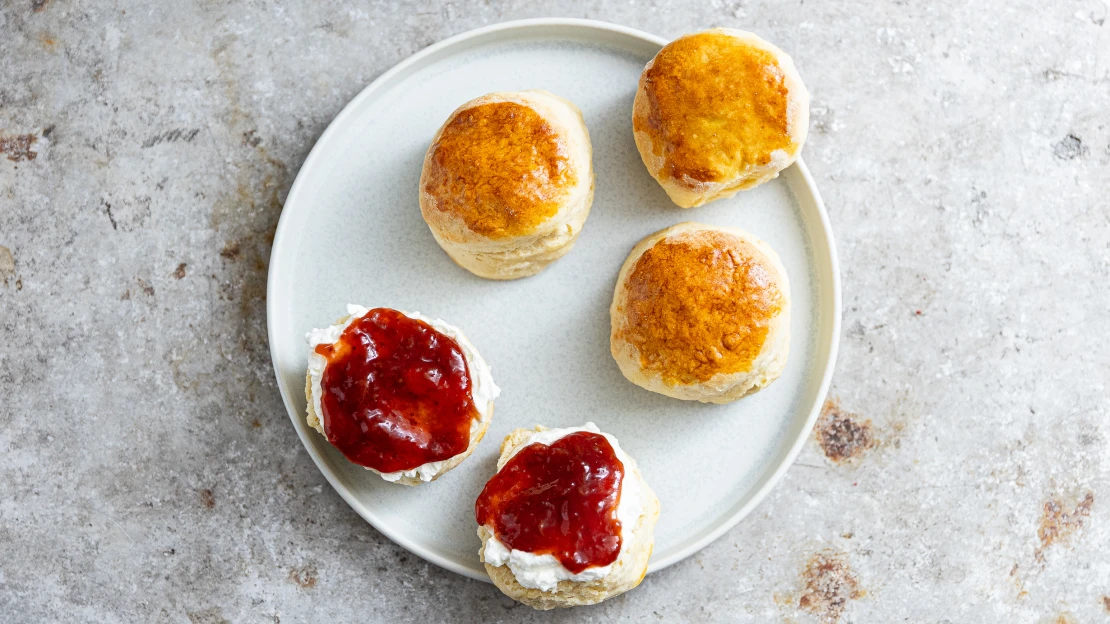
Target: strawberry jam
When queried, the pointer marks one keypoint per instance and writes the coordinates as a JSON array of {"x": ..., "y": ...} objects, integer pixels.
[
  {"x": 559, "y": 500},
  {"x": 396, "y": 393}
]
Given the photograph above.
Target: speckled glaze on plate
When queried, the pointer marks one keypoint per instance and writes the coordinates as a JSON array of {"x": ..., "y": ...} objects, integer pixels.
[{"x": 351, "y": 231}]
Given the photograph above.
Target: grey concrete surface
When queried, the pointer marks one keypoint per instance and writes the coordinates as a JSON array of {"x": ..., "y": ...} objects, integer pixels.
[{"x": 148, "y": 471}]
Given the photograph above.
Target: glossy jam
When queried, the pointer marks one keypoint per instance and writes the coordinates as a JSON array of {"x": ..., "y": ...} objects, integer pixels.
[
  {"x": 396, "y": 393},
  {"x": 559, "y": 500}
]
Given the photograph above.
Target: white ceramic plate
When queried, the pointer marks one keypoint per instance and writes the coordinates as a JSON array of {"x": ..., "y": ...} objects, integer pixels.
[{"x": 351, "y": 231}]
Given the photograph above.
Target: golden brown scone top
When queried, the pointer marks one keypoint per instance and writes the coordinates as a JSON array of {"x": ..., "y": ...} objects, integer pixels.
[
  {"x": 717, "y": 104},
  {"x": 699, "y": 303},
  {"x": 500, "y": 167}
]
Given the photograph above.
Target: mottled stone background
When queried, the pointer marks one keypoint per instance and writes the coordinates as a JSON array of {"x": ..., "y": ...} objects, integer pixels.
[{"x": 149, "y": 473}]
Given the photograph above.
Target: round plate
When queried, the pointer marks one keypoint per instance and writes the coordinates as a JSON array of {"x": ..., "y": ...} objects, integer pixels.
[{"x": 351, "y": 231}]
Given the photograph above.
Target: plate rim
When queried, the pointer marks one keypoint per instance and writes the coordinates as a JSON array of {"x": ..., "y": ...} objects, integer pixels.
[{"x": 831, "y": 260}]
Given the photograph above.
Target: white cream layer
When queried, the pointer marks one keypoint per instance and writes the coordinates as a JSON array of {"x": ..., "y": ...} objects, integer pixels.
[
  {"x": 482, "y": 389},
  {"x": 544, "y": 572}
]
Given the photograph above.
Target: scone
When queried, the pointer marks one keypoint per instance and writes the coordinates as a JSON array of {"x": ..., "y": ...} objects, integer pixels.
[
  {"x": 701, "y": 313},
  {"x": 400, "y": 394},
  {"x": 508, "y": 182},
  {"x": 718, "y": 112},
  {"x": 567, "y": 520}
]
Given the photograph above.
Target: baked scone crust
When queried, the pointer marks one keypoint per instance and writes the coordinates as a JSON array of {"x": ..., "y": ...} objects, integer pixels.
[
  {"x": 316, "y": 421},
  {"x": 701, "y": 313},
  {"x": 717, "y": 112},
  {"x": 508, "y": 182},
  {"x": 628, "y": 570}
]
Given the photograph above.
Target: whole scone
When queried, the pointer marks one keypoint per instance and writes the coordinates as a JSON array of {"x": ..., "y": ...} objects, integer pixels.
[
  {"x": 540, "y": 581},
  {"x": 717, "y": 112},
  {"x": 701, "y": 313},
  {"x": 508, "y": 182},
  {"x": 365, "y": 452}
]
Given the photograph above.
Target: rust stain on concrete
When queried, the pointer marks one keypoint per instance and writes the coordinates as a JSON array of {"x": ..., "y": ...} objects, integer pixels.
[
  {"x": 7, "y": 264},
  {"x": 304, "y": 577},
  {"x": 842, "y": 435},
  {"x": 830, "y": 586},
  {"x": 18, "y": 147},
  {"x": 1058, "y": 525}
]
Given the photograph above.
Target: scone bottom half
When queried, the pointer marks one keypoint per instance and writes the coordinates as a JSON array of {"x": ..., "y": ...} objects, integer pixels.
[
  {"x": 607, "y": 528},
  {"x": 701, "y": 313},
  {"x": 508, "y": 182},
  {"x": 717, "y": 112},
  {"x": 401, "y": 394}
]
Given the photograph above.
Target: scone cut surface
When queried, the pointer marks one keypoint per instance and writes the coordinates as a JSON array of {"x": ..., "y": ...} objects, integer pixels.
[
  {"x": 567, "y": 520},
  {"x": 718, "y": 111},
  {"x": 400, "y": 394}
]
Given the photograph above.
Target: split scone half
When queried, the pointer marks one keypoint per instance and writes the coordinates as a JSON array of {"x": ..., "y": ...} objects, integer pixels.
[
  {"x": 398, "y": 393},
  {"x": 701, "y": 313},
  {"x": 508, "y": 183},
  {"x": 717, "y": 112},
  {"x": 567, "y": 520}
]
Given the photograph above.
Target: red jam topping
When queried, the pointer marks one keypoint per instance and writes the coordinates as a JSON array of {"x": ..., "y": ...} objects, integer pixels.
[
  {"x": 559, "y": 500},
  {"x": 396, "y": 393}
]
